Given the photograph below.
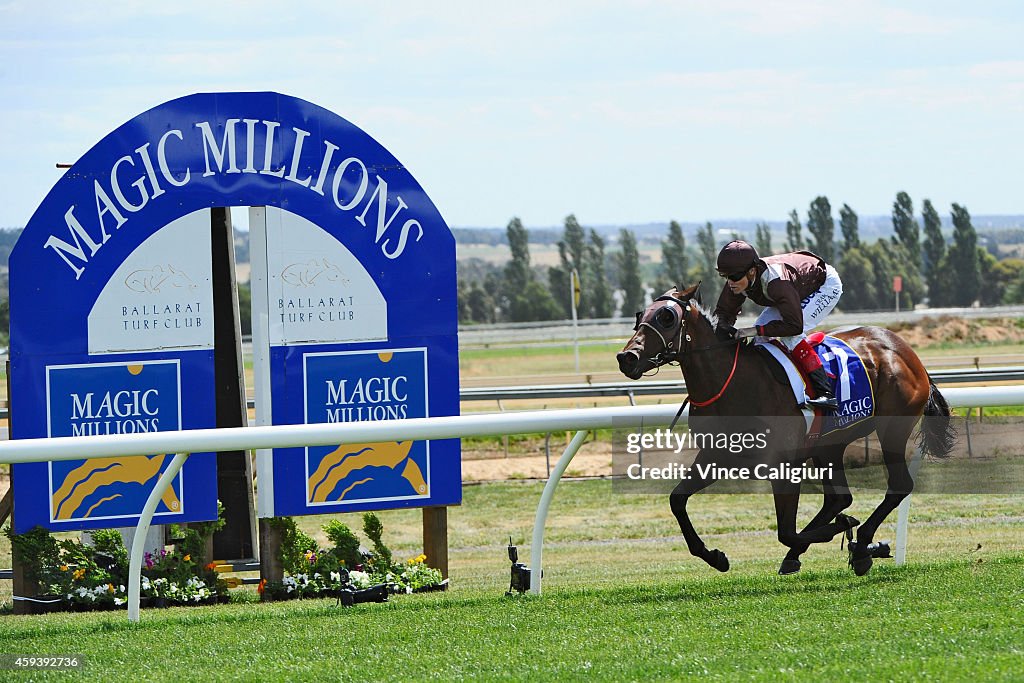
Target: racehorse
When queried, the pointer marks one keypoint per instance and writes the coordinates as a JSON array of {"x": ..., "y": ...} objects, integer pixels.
[{"x": 728, "y": 380}]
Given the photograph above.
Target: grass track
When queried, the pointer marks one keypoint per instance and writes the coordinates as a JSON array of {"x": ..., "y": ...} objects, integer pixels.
[
  {"x": 623, "y": 601},
  {"x": 946, "y": 621}
]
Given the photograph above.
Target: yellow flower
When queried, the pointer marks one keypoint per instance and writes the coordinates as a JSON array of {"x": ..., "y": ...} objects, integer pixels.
[
  {"x": 188, "y": 558},
  {"x": 110, "y": 588},
  {"x": 63, "y": 567},
  {"x": 79, "y": 573}
]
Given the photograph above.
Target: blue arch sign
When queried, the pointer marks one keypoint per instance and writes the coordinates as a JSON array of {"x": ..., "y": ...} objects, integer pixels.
[{"x": 112, "y": 316}]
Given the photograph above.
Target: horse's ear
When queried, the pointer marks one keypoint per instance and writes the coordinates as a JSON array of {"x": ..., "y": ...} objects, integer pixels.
[
  {"x": 688, "y": 293},
  {"x": 700, "y": 302}
]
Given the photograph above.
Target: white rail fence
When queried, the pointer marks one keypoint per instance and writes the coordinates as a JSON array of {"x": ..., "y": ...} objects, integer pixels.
[{"x": 182, "y": 443}]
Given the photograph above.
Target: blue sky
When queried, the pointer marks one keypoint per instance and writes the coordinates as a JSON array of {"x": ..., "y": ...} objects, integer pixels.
[{"x": 619, "y": 112}]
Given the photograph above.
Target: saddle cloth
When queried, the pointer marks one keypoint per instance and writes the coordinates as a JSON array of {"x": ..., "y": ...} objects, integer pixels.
[{"x": 851, "y": 384}]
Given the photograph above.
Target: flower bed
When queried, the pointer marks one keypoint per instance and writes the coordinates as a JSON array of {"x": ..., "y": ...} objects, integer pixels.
[
  {"x": 345, "y": 570},
  {"x": 78, "y": 577}
]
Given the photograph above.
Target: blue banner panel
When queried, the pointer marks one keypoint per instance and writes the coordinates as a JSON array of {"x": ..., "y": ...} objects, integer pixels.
[
  {"x": 112, "y": 398},
  {"x": 358, "y": 386}
]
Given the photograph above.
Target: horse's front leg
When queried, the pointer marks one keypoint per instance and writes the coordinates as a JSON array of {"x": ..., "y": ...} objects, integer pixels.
[{"x": 677, "y": 500}]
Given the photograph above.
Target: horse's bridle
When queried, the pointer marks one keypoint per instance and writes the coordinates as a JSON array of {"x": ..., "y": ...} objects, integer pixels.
[
  {"x": 668, "y": 354},
  {"x": 671, "y": 349},
  {"x": 682, "y": 343}
]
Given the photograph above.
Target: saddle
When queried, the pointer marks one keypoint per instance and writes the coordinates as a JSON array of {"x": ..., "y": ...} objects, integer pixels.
[{"x": 851, "y": 384}]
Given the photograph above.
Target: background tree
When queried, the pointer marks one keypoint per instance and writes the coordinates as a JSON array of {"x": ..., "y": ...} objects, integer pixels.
[
  {"x": 905, "y": 225},
  {"x": 480, "y": 304},
  {"x": 794, "y": 232},
  {"x": 600, "y": 295},
  {"x": 763, "y": 239},
  {"x": 1015, "y": 290},
  {"x": 999, "y": 279},
  {"x": 517, "y": 271},
  {"x": 961, "y": 265},
  {"x": 849, "y": 225},
  {"x": 859, "y": 280},
  {"x": 244, "y": 309},
  {"x": 674, "y": 261},
  {"x": 633, "y": 295},
  {"x": 536, "y": 303},
  {"x": 518, "y": 294},
  {"x": 934, "y": 251},
  {"x": 707, "y": 273},
  {"x": 570, "y": 252},
  {"x": 822, "y": 228},
  {"x": 463, "y": 303}
]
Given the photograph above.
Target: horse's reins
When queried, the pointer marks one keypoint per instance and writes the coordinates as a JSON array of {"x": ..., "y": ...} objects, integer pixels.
[{"x": 663, "y": 358}]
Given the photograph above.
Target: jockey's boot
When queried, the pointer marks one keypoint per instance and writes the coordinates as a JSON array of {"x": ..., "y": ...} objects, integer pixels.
[
  {"x": 810, "y": 363},
  {"x": 823, "y": 388}
]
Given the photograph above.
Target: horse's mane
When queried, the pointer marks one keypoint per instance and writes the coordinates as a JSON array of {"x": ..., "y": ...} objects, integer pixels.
[{"x": 707, "y": 315}]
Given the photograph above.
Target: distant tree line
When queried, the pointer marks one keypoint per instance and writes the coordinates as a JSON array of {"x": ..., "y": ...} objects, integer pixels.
[{"x": 938, "y": 269}]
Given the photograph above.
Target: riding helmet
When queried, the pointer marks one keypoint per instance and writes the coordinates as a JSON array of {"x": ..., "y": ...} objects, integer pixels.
[{"x": 736, "y": 257}]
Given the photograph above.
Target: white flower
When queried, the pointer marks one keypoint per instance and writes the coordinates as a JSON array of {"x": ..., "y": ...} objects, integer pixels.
[
  {"x": 336, "y": 577},
  {"x": 360, "y": 579}
]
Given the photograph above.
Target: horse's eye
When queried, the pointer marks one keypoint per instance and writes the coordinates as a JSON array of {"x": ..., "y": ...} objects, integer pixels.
[
  {"x": 665, "y": 318},
  {"x": 636, "y": 326}
]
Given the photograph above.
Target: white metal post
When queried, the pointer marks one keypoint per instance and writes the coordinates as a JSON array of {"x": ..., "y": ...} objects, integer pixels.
[
  {"x": 573, "y": 279},
  {"x": 903, "y": 512},
  {"x": 139, "y": 542},
  {"x": 537, "y": 544}
]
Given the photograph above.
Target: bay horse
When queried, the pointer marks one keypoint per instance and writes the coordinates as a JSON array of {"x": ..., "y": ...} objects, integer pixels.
[{"x": 731, "y": 381}]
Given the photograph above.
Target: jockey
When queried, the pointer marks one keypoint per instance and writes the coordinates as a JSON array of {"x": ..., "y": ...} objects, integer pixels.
[{"x": 798, "y": 291}]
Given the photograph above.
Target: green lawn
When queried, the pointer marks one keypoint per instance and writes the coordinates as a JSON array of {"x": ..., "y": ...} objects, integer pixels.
[
  {"x": 623, "y": 600},
  {"x": 946, "y": 621}
]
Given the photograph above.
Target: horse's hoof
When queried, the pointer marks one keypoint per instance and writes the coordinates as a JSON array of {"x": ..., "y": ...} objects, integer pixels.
[
  {"x": 717, "y": 559},
  {"x": 861, "y": 565},
  {"x": 860, "y": 558},
  {"x": 788, "y": 567}
]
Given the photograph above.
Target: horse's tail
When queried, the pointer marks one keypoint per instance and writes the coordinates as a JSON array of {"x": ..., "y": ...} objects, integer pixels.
[{"x": 937, "y": 432}]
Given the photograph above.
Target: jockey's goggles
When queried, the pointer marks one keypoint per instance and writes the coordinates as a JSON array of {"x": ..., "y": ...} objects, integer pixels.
[{"x": 735, "y": 277}]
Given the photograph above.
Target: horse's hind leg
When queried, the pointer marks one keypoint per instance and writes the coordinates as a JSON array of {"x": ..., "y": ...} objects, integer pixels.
[
  {"x": 678, "y": 499},
  {"x": 893, "y": 440},
  {"x": 836, "y": 499}
]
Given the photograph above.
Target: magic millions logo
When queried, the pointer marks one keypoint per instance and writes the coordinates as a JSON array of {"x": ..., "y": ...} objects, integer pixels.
[
  {"x": 111, "y": 398},
  {"x": 362, "y": 386}
]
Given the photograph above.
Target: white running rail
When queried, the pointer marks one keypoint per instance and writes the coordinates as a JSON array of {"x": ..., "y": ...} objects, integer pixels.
[{"x": 581, "y": 420}]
